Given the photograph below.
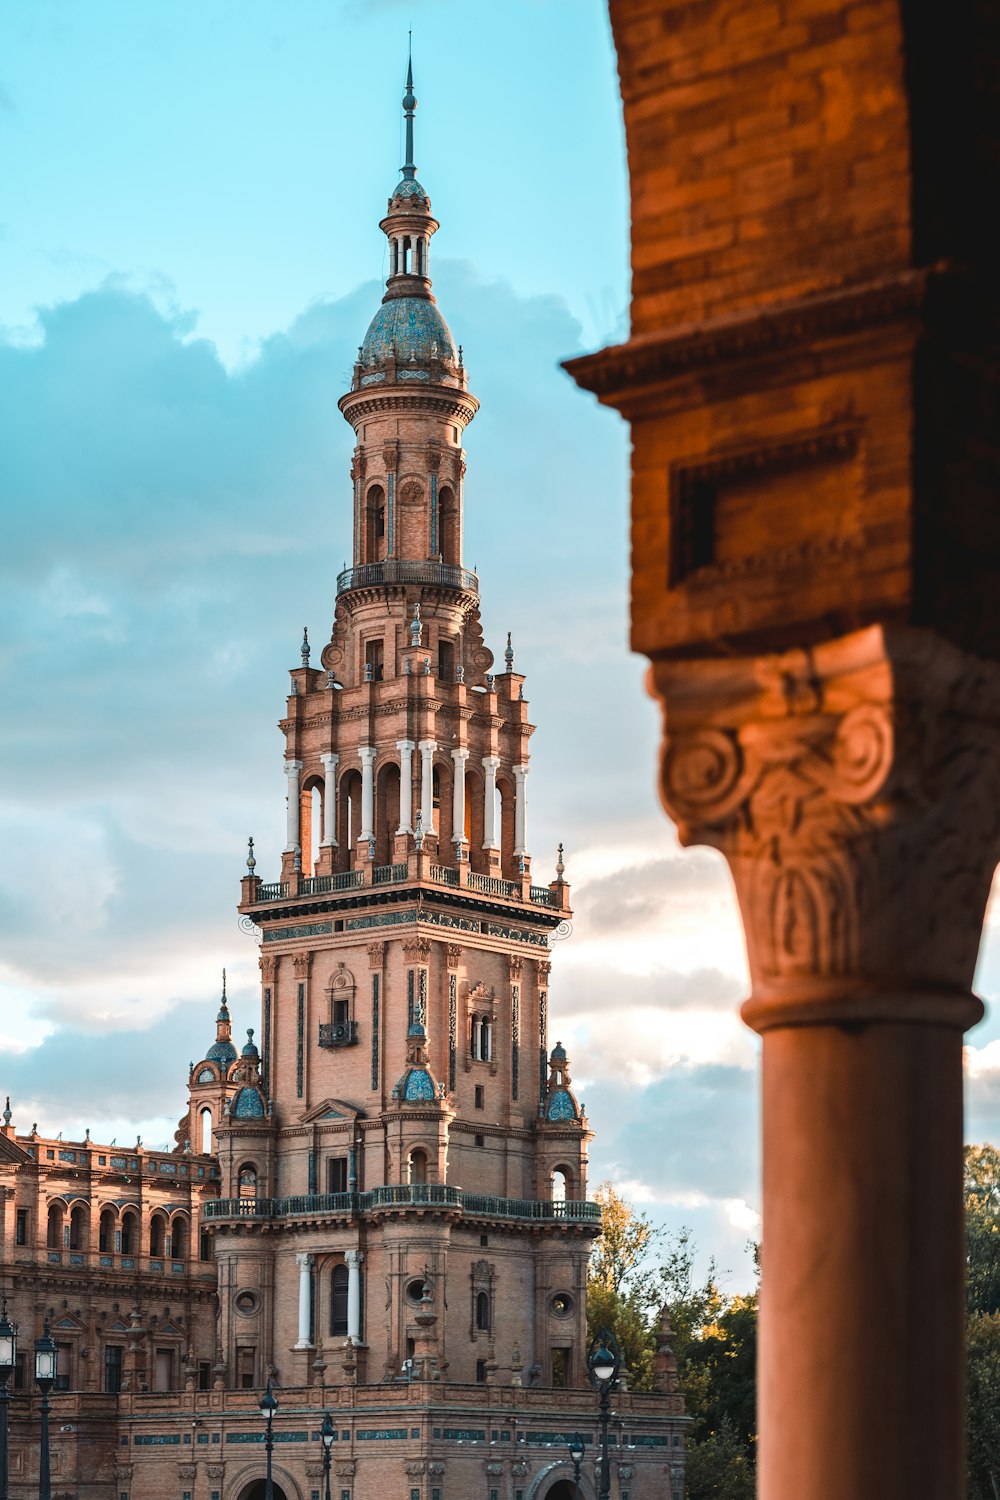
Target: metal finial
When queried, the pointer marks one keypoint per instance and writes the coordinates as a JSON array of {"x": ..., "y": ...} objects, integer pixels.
[
  {"x": 223, "y": 986},
  {"x": 460, "y": 673},
  {"x": 419, "y": 835},
  {"x": 251, "y": 862},
  {"x": 560, "y": 866},
  {"x": 508, "y": 655},
  {"x": 427, "y": 666},
  {"x": 409, "y": 106},
  {"x": 7, "y": 1116},
  {"x": 305, "y": 645},
  {"x": 489, "y": 682},
  {"x": 520, "y": 692},
  {"x": 297, "y": 861},
  {"x": 371, "y": 849},
  {"x": 416, "y": 629}
]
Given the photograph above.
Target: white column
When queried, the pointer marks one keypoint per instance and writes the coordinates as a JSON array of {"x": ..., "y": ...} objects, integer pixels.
[
  {"x": 406, "y": 749},
  {"x": 458, "y": 798},
  {"x": 354, "y": 1259},
  {"x": 293, "y": 770},
  {"x": 427, "y": 748},
  {"x": 367, "y": 754},
  {"x": 490, "y": 766},
  {"x": 520, "y": 808},
  {"x": 329, "y": 799},
  {"x": 304, "y": 1262}
]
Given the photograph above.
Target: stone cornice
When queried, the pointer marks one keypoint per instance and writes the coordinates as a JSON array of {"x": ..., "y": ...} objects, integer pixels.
[{"x": 621, "y": 373}]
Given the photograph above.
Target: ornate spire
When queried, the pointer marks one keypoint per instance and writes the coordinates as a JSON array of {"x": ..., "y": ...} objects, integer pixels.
[{"x": 409, "y": 109}]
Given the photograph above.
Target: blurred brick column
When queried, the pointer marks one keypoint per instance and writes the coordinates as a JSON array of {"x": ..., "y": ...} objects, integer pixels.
[{"x": 812, "y": 391}]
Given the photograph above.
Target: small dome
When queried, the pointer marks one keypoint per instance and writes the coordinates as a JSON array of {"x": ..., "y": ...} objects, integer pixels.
[
  {"x": 413, "y": 329},
  {"x": 250, "y": 1049},
  {"x": 559, "y": 1052},
  {"x": 222, "y": 1053},
  {"x": 417, "y": 1030},
  {"x": 409, "y": 187}
]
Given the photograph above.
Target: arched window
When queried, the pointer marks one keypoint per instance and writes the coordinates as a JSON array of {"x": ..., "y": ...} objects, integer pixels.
[
  {"x": 560, "y": 1183},
  {"x": 54, "y": 1237},
  {"x": 483, "y": 1312},
  {"x": 178, "y": 1238},
  {"x": 310, "y": 823},
  {"x": 349, "y": 806},
  {"x": 375, "y": 528},
  {"x": 106, "y": 1231},
  {"x": 206, "y": 1132},
  {"x": 247, "y": 1180},
  {"x": 448, "y": 539},
  {"x": 418, "y": 1166},
  {"x": 338, "y": 1300},
  {"x": 482, "y": 1038},
  {"x": 157, "y": 1234},
  {"x": 129, "y": 1233},
  {"x": 78, "y": 1228}
]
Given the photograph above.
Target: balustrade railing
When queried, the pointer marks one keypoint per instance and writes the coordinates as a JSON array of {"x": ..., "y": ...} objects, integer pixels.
[
  {"x": 443, "y": 875},
  {"x": 400, "y": 570},
  {"x": 403, "y": 1196},
  {"x": 542, "y": 896},
  {"x": 321, "y": 885},
  {"x": 492, "y": 885},
  {"x": 389, "y": 874}
]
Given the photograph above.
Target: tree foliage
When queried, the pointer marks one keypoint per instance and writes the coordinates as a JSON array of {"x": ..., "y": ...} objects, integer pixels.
[{"x": 714, "y": 1339}]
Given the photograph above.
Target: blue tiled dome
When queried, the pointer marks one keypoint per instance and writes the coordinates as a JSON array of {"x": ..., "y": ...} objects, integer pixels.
[
  {"x": 409, "y": 187},
  {"x": 222, "y": 1053},
  {"x": 413, "y": 328}
]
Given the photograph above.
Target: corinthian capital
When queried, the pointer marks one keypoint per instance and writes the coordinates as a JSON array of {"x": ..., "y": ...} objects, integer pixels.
[{"x": 853, "y": 790}]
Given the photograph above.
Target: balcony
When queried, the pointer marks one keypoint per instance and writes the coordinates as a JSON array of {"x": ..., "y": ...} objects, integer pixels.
[
  {"x": 399, "y": 874},
  {"x": 404, "y": 1197},
  {"x": 399, "y": 570},
  {"x": 338, "y": 1033}
]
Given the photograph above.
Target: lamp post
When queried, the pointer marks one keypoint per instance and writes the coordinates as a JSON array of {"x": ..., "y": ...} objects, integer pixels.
[
  {"x": 45, "y": 1379},
  {"x": 328, "y": 1434},
  {"x": 269, "y": 1406},
  {"x": 8, "y": 1359},
  {"x": 576, "y": 1446},
  {"x": 603, "y": 1364}
]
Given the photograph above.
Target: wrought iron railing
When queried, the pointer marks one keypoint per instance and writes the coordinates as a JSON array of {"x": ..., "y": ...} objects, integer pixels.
[
  {"x": 401, "y": 570},
  {"x": 389, "y": 874},
  {"x": 276, "y": 891},
  {"x": 338, "y": 1033},
  {"x": 443, "y": 875},
  {"x": 321, "y": 885},
  {"x": 542, "y": 896},
  {"x": 403, "y": 1196}
]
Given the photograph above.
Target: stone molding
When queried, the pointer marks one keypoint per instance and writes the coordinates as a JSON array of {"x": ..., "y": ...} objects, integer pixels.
[{"x": 824, "y": 776}]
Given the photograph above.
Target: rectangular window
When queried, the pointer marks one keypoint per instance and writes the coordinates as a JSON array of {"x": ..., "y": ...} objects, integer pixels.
[
  {"x": 204, "y": 1245},
  {"x": 480, "y": 1097},
  {"x": 21, "y": 1227},
  {"x": 336, "y": 1174},
  {"x": 204, "y": 1375},
  {"x": 246, "y": 1364},
  {"x": 163, "y": 1370},
  {"x": 481, "y": 1371},
  {"x": 560, "y": 1369},
  {"x": 341, "y": 1012},
  {"x": 374, "y": 661},
  {"x": 20, "y": 1369},
  {"x": 113, "y": 1368},
  {"x": 64, "y": 1367}
]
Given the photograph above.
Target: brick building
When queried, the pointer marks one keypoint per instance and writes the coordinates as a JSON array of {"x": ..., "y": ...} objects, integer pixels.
[{"x": 380, "y": 1201}]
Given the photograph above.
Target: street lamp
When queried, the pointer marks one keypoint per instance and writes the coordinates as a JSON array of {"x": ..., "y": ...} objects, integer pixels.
[
  {"x": 269, "y": 1406},
  {"x": 328, "y": 1433},
  {"x": 8, "y": 1359},
  {"x": 603, "y": 1364},
  {"x": 576, "y": 1458},
  {"x": 45, "y": 1379}
]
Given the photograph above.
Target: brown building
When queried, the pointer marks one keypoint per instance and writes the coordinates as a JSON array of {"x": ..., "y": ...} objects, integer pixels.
[{"x": 380, "y": 1203}]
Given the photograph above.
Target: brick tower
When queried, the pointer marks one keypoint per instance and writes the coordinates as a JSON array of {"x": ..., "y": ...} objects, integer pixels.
[{"x": 403, "y": 1131}]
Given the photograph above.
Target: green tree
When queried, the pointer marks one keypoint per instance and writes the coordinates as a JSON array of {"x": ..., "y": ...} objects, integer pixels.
[
  {"x": 982, "y": 1383},
  {"x": 617, "y": 1289},
  {"x": 982, "y": 1228},
  {"x": 719, "y": 1468}
]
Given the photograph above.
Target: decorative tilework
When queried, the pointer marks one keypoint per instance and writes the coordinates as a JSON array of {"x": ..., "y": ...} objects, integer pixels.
[
  {"x": 434, "y": 515},
  {"x": 543, "y": 1071},
  {"x": 300, "y": 1041},
  {"x": 265, "y": 1057},
  {"x": 391, "y": 526},
  {"x": 515, "y": 1038},
  {"x": 452, "y": 1028},
  {"x": 379, "y": 1434},
  {"x": 409, "y": 997},
  {"x": 310, "y": 929},
  {"x": 422, "y": 996},
  {"x": 375, "y": 1000}
]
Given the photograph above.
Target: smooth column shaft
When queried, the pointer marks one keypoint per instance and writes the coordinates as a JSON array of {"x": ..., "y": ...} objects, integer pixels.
[
  {"x": 458, "y": 799},
  {"x": 490, "y": 766},
  {"x": 520, "y": 809},
  {"x": 427, "y": 748},
  {"x": 304, "y": 1262},
  {"x": 329, "y": 760},
  {"x": 354, "y": 1259},
  {"x": 406, "y": 749},
  {"x": 367, "y": 754},
  {"x": 293, "y": 770}
]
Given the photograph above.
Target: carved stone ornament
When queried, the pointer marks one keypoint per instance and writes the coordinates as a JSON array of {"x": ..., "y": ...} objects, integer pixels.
[
  {"x": 454, "y": 955},
  {"x": 302, "y": 963},
  {"x": 345, "y": 1468},
  {"x": 515, "y": 963},
  {"x": 415, "y": 1470},
  {"x": 543, "y": 969},
  {"x": 268, "y": 967},
  {"x": 187, "y": 1471},
  {"x": 417, "y": 950},
  {"x": 216, "y": 1471},
  {"x": 376, "y": 955},
  {"x": 852, "y": 789}
]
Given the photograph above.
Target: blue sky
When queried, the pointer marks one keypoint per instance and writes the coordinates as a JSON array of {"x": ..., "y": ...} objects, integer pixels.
[{"x": 189, "y": 256}]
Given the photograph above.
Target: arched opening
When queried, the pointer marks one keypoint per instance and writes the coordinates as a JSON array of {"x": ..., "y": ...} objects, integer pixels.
[
  {"x": 78, "y": 1227},
  {"x": 247, "y": 1180},
  {"x": 179, "y": 1237},
  {"x": 474, "y": 793},
  {"x": 349, "y": 819},
  {"x": 375, "y": 537},
  {"x": 339, "y": 1278},
  {"x": 310, "y": 823},
  {"x": 448, "y": 526},
  {"x": 205, "y": 1119},
  {"x": 129, "y": 1233},
  {"x": 386, "y": 812},
  {"x": 54, "y": 1233},
  {"x": 106, "y": 1231},
  {"x": 418, "y": 1166},
  {"x": 561, "y": 1184},
  {"x": 483, "y": 1319},
  {"x": 157, "y": 1234},
  {"x": 444, "y": 790},
  {"x": 257, "y": 1490},
  {"x": 563, "y": 1489}
]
